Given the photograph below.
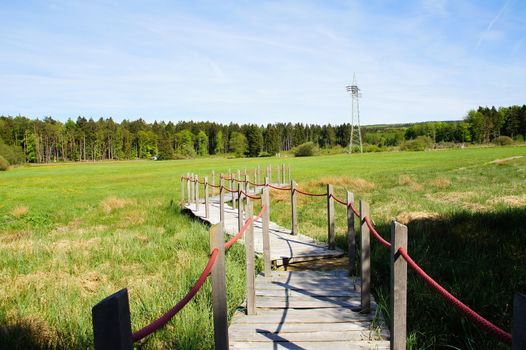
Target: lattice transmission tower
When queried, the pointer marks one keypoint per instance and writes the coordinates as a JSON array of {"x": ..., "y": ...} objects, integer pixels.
[{"x": 356, "y": 133}]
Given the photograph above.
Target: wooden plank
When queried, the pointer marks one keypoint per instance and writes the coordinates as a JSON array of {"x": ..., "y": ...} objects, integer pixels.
[
  {"x": 342, "y": 292},
  {"x": 288, "y": 327},
  {"x": 327, "y": 315},
  {"x": 336, "y": 345},
  {"x": 307, "y": 303},
  {"x": 264, "y": 335}
]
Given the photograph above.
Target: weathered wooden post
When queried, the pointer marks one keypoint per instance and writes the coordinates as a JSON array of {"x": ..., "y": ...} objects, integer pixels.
[
  {"x": 112, "y": 323},
  {"x": 251, "y": 272},
  {"x": 188, "y": 188},
  {"x": 197, "y": 193},
  {"x": 265, "y": 201},
  {"x": 239, "y": 208},
  {"x": 222, "y": 201},
  {"x": 207, "y": 203},
  {"x": 182, "y": 191},
  {"x": 278, "y": 174},
  {"x": 270, "y": 173},
  {"x": 330, "y": 218},
  {"x": 398, "y": 287},
  {"x": 365, "y": 259},
  {"x": 257, "y": 179},
  {"x": 219, "y": 306},
  {"x": 294, "y": 229},
  {"x": 351, "y": 235},
  {"x": 518, "y": 332},
  {"x": 247, "y": 185},
  {"x": 213, "y": 182},
  {"x": 283, "y": 181},
  {"x": 192, "y": 189},
  {"x": 232, "y": 177},
  {"x": 238, "y": 175},
  {"x": 290, "y": 176}
]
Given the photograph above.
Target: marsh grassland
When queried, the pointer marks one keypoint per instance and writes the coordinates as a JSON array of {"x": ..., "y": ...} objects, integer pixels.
[{"x": 71, "y": 234}]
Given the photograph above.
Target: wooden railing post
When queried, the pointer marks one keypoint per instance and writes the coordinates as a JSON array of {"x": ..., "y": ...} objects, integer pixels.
[
  {"x": 251, "y": 272},
  {"x": 182, "y": 191},
  {"x": 266, "y": 234},
  {"x": 294, "y": 229},
  {"x": 239, "y": 208},
  {"x": 269, "y": 173},
  {"x": 222, "y": 201},
  {"x": 213, "y": 182},
  {"x": 219, "y": 304},
  {"x": 278, "y": 173},
  {"x": 112, "y": 322},
  {"x": 365, "y": 259},
  {"x": 247, "y": 187},
  {"x": 188, "y": 189},
  {"x": 290, "y": 176},
  {"x": 232, "y": 177},
  {"x": 398, "y": 287},
  {"x": 283, "y": 181},
  {"x": 207, "y": 203},
  {"x": 197, "y": 193},
  {"x": 257, "y": 179},
  {"x": 518, "y": 332},
  {"x": 330, "y": 218},
  {"x": 351, "y": 235},
  {"x": 193, "y": 189}
]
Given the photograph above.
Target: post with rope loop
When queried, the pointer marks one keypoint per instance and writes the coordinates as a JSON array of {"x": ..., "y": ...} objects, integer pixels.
[
  {"x": 250, "y": 272},
  {"x": 239, "y": 208},
  {"x": 351, "y": 235},
  {"x": 182, "y": 191},
  {"x": 197, "y": 193},
  {"x": 398, "y": 287},
  {"x": 330, "y": 218},
  {"x": 219, "y": 304},
  {"x": 188, "y": 189},
  {"x": 222, "y": 201},
  {"x": 518, "y": 332},
  {"x": 112, "y": 322},
  {"x": 213, "y": 182},
  {"x": 266, "y": 234},
  {"x": 207, "y": 203},
  {"x": 293, "y": 206},
  {"x": 365, "y": 259}
]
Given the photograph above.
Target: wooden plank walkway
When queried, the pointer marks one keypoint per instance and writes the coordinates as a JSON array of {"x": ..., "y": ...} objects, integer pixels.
[{"x": 300, "y": 309}]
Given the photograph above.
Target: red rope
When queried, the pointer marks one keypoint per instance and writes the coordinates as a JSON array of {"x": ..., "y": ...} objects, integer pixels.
[
  {"x": 243, "y": 229},
  {"x": 354, "y": 210},
  {"x": 215, "y": 186},
  {"x": 376, "y": 234},
  {"x": 255, "y": 184},
  {"x": 483, "y": 323},
  {"x": 164, "y": 319},
  {"x": 279, "y": 188},
  {"x": 311, "y": 194},
  {"x": 241, "y": 181},
  {"x": 249, "y": 196},
  {"x": 229, "y": 190}
]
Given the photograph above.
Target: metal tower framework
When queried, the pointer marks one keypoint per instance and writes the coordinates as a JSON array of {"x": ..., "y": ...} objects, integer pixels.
[{"x": 356, "y": 133}]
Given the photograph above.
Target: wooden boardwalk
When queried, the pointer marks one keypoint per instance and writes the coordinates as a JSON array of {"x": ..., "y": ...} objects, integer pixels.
[{"x": 300, "y": 309}]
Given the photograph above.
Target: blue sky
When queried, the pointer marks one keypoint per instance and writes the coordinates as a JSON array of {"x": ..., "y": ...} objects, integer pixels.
[{"x": 268, "y": 61}]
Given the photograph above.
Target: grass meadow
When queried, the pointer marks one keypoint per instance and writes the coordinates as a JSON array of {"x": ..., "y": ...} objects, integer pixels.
[{"x": 71, "y": 234}]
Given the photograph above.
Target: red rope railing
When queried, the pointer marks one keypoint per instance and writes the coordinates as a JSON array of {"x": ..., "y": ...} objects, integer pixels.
[
  {"x": 311, "y": 194},
  {"x": 256, "y": 184},
  {"x": 250, "y": 196},
  {"x": 279, "y": 188},
  {"x": 165, "y": 318},
  {"x": 483, "y": 323}
]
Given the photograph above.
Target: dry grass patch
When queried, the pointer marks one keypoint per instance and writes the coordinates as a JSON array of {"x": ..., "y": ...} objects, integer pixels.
[
  {"x": 441, "y": 182},
  {"x": 474, "y": 206},
  {"x": 504, "y": 160},
  {"x": 407, "y": 217},
  {"x": 512, "y": 201},
  {"x": 111, "y": 203},
  {"x": 355, "y": 184},
  {"x": 19, "y": 211},
  {"x": 450, "y": 197},
  {"x": 406, "y": 180},
  {"x": 132, "y": 217}
]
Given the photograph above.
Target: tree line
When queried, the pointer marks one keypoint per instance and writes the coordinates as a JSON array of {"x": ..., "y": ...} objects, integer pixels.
[{"x": 48, "y": 140}]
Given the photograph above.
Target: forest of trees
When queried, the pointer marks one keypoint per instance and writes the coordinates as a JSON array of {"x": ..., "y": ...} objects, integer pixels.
[{"x": 48, "y": 140}]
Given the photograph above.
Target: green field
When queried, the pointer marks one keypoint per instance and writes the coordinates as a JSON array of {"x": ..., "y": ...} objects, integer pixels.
[{"x": 72, "y": 234}]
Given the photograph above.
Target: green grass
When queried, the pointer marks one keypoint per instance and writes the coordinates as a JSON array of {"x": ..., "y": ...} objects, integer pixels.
[{"x": 72, "y": 234}]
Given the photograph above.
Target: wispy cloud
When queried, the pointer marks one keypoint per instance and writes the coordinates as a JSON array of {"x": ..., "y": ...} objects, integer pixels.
[{"x": 487, "y": 31}]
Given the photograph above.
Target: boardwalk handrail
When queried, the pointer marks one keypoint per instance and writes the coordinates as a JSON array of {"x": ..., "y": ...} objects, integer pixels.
[{"x": 120, "y": 336}]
